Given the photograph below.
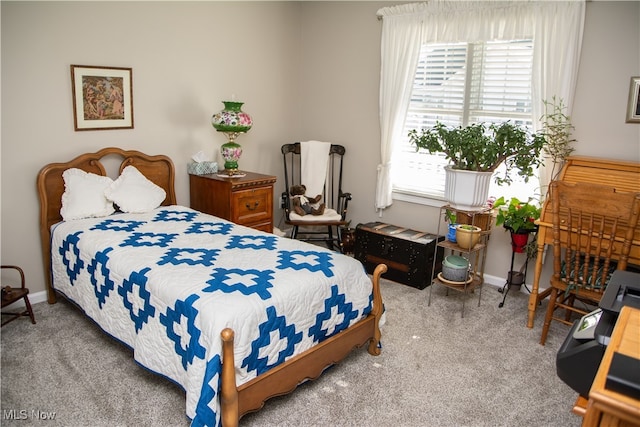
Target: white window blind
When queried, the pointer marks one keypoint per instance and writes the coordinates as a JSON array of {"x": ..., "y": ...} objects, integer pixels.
[{"x": 459, "y": 84}]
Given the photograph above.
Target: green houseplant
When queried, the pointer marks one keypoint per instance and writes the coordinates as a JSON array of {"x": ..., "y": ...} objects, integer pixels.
[
  {"x": 517, "y": 216},
  {"x": 483, "y": 147},
  {"x": 557, "y": 129},
  {"x": 480, "y": 148}
]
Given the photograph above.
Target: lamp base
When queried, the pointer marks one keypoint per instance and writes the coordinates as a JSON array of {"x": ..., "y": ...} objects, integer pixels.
[
  {"x": 231, "y": 152},
  {"x": 235, "y": 173}
]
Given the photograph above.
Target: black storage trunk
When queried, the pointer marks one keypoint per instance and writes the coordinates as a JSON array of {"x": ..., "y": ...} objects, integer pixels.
[{"x": 407, "y": 253}]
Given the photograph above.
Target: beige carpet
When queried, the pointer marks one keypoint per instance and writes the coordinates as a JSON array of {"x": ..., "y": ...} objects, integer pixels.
[{"x": 436, "y": 369}]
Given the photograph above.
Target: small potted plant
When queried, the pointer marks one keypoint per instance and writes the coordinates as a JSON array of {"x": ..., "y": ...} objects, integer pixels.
[
  {"x": 467, "y": 235},
  {"x": 519, "y": 218},
  {"x": 476, "y": 151},
  {"x": 451, "y": 219}
]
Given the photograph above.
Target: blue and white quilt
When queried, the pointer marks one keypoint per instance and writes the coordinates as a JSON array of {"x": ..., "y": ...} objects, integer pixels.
[{"x": 167, "y": 282}]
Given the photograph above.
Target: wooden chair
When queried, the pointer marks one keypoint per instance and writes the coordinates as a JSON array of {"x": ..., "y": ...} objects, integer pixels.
[
  {"x": 310, "y": 227},
  {"x": 586, "y": 250},
  {"x": 12, "y": 294}
]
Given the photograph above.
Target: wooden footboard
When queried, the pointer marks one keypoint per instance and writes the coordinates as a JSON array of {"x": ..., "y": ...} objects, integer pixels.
[{"x": 249, "y": 397}]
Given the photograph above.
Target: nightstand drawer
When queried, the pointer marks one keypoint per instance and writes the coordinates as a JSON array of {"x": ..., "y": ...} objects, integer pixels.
[{"x": 252, "y": 205}]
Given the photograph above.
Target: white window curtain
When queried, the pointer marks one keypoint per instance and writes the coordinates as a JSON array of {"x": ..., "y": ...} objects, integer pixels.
[{"x": 555, "y": 27}]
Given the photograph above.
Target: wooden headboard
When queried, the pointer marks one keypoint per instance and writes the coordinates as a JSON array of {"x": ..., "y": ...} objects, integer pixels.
[{"x": 159, "y": 169}]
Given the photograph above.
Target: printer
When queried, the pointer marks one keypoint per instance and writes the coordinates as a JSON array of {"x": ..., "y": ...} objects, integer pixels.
[{"x": 579, "y": 356}]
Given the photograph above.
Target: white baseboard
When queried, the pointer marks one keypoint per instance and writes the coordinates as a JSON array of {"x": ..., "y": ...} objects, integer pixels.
[
  {"x": 494, "y": 280},
  {"x": 38, "y": 297},
  {"x": 34, "y": 298},
  {"x": 499, "y": 282}
]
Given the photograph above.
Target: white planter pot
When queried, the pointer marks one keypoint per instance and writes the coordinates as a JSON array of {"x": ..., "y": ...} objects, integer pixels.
[{"x": 466, "y": 190}]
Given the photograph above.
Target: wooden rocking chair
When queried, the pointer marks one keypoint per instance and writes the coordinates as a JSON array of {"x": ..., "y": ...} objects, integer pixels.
[{"x": 310, "y": 227}]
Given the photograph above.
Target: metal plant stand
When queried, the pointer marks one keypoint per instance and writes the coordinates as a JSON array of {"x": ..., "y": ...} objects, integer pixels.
[{"x": 515, "y": 278}]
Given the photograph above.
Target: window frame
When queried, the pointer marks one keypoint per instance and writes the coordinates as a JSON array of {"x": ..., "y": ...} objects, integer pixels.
[{"x": 466, "y": 113}]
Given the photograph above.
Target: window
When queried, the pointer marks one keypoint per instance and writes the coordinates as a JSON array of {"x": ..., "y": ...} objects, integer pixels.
[{"x": 459, "y": 84}]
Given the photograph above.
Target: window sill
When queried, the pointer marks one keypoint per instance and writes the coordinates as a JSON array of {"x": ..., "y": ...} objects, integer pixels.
[{"x": 419, "y": 199}]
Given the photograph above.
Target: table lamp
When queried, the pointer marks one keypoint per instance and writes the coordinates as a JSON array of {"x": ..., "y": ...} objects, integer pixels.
[{"x": 231, "y": 121}]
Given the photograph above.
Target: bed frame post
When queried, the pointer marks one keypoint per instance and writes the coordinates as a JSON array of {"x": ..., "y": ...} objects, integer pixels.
[
  {"x": 378, "y": 309},
  {"x": 228, "y": 390}
]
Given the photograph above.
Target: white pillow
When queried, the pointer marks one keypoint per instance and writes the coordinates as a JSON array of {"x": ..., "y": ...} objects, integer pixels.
[
  {"x": 134, "y": 193},
  {"x": 83, "y": 195}
]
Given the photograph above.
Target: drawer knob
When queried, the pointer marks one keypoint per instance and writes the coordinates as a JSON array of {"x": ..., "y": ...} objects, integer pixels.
[{"x": 252, "y": 208}]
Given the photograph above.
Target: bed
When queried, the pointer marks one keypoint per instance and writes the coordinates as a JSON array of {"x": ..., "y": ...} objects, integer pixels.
[{"x": 211, "y": 305}]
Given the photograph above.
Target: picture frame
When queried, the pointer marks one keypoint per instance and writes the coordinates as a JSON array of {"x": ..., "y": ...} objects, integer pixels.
[
  {"x": 102, "y": 97},
  {"x": 633, "y": 106}
]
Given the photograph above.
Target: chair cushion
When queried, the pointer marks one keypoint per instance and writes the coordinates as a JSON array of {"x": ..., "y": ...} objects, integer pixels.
[
  {"x": 329, "y": 215},
  {"x": 590, "y": 265}
]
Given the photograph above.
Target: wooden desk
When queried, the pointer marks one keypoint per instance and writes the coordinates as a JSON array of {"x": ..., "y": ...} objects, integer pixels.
[
  {"x": 606, "y": 407},
  {"x": 622, "y": 175}
]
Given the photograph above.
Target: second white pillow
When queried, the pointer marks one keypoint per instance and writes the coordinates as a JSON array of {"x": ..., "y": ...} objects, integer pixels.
[{"x": 134, "y": 193}]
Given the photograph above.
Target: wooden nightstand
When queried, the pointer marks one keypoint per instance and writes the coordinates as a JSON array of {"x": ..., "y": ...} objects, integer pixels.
[{"x": 246, "y": 200}]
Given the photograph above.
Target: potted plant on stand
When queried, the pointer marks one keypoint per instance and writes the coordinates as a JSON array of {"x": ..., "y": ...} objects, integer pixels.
[
  {"x": 467, "y": 235},
  {"x": 475, "y": 152},
  {"x": 519, "y": 218},
  {"x": 452, "y": 220}
]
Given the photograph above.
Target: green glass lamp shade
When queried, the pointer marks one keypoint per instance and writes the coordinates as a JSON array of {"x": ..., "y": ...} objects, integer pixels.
[{"x": 232, "y": 118}]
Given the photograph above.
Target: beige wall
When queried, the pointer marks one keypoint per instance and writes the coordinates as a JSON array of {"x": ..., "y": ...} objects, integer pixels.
[
  {"x": 610, "y": 56},
  {"x": 305, "y": 70},
  {"x": 186, "y": 57}
]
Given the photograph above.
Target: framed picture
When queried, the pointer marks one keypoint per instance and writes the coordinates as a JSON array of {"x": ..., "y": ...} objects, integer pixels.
[
  {"x": 633, "y": 108},
  {"x": 102, "y": 97}
]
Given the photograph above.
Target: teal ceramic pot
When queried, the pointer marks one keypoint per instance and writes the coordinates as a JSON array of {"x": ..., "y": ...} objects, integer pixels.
[{"x": 455, "y": 268}]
